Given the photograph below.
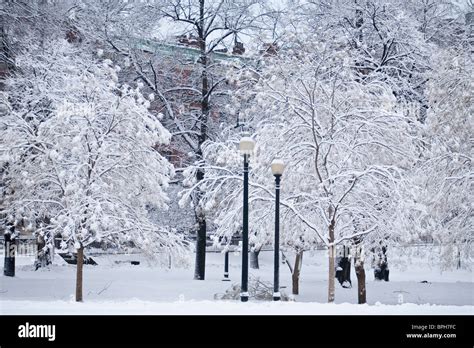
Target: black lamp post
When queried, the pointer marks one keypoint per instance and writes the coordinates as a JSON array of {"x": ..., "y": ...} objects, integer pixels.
[
  {"x": 246, "y": 147},
  {"x": 277, "y": 170},
  {"x": 226, "y": 266}
]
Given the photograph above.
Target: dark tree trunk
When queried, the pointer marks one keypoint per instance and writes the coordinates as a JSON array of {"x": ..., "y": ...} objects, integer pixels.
[
  {"x": 360, "y": 273},
  {"x": 295, "y": 276},
  {"x": 200, "y": 266},
  {"x": 343, "y": 271},
  {"x": 254, "y": 259},
  {"x": 381, "y": 271},
  {"x": 6, "y": 61},
  {"x": 10, "y": 253},
  {"x": 80, "y": 263},
  {"x": 359, "y": 22},
  {"x": 200, "y": 269}
]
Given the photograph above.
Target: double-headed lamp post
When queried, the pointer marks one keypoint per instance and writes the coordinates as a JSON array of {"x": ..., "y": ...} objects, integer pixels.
[
  {"x": 277, "y": 170},
  {"x": 246, "y": 147}
]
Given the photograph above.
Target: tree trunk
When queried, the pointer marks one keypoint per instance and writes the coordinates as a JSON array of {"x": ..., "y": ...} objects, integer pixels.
[
  {"x": 200, "y": 269},
  {"x": 458, "y": 266},
  {"x": 381, "y": 271},
  {"x": 295, "y": 276},
  {"x": 359, "y": 23},
  {"x": 6, "y": 61},
  {"x": 10, "y": 253},
  {"x": 360, "y": 273},
  {"x": 254, "y": 259},
  {"x": 332, "y": 275},
  {"x": 80, "y": 263},
  {"x": 343, "y": 271},
  {"x": 332, "y": 269}
]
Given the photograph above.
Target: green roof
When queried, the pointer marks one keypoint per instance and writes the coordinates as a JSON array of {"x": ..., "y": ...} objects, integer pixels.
[{"x": 156, "y": 46}]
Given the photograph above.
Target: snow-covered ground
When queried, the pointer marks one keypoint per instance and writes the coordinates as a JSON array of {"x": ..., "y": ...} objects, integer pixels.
[
  {"x": 115, "y": 287},
  {"x": 136, "y": 306}
]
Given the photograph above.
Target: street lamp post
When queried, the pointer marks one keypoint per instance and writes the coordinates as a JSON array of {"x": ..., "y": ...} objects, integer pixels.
[
  {"x": 226, "y": 265},
  {"x": 246, "y": 147},
  {"x": 277, "y": 170}
]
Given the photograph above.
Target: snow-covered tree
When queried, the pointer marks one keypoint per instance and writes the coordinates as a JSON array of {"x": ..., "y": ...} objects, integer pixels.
[
  {"x": 346, "y": 144},
  {"x": 213, "y": 26},
  {"x": 440, "y": 209},
  {"x": 384, "y": 38},
  {"x": 338, "y": 93},
  {"x": 82, "y": 153}
]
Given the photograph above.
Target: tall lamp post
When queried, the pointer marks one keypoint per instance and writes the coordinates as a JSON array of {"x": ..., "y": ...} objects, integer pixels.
[
  {"x": 226, "y": 264},
  {"x": 277, "y": 170},
  {"x": 246, "y": 147}
]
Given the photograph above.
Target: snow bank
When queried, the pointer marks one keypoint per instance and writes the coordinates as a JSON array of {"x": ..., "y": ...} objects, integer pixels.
[{"x": 136, "y": 306}]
